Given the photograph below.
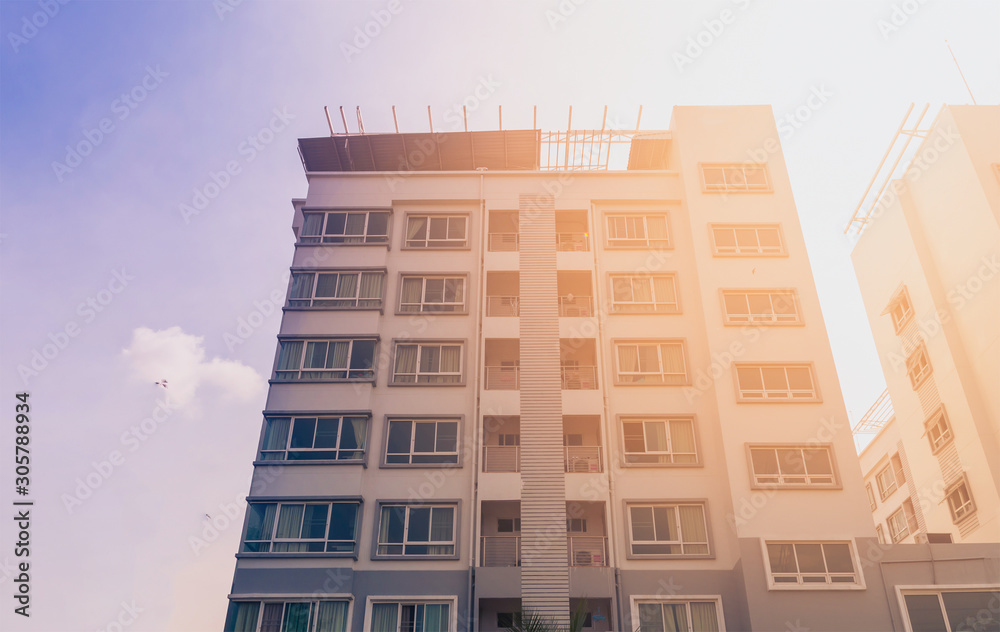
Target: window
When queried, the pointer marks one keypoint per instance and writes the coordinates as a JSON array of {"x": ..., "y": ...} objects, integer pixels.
[
  {"x": 651, "y": 362},
  {"x": 508, "y": 525},
  {"x": 679, "y": 616},
  {"x": 632, "y": 293},
  {"x": 362, "y": 290},
  {"x": 880, "y": 534},
  {"x": 432, "y": 294},
  {"x": 734, "y": 177},
  {"x": 775, "y": 382},
  {"x": 902, "y": 522},
  {"x": 890, "y": 477},
  {"x": 576, "y": 525},
  {"x": 766, "y": 307},
  {"x": 422, "y": 442},
  {"x": 958, "y": 610},
  {"x": 871, "y": 497},
  {"x": 302, "y": 527},
  {"x": 408, "y": 616},
  {"x": 918, "y": 367},
  {"x": 816, "y": 564},
  {"x": 652, "y": 441},
  {"x": 638, "y": 231},
  {"x": 960, "y": 502},
  {"x": 287, "y": 616},
  {"x": 938, "y": 430},
  {"x": 315, "y": 438},
  {"x": 416, "y": 530},
  {"x": 792, "y": 466},
  {"x": 345, "y": 227},
  {"x": 747, "y": 240},
  {"x": 668, "y": 529},
  {"x": 437, "y": 231},
  {"x": 900, "y": 309},
  {"x": 338, "y": 359},
  {"x": 424, "y": 363}
]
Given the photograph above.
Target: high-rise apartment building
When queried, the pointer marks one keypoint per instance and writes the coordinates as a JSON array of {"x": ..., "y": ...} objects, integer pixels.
[
  {"x": 512, "y": 378},
  {"x": 928, "y": 264}
]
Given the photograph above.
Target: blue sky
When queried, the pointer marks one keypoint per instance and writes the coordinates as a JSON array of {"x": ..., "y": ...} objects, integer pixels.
[{"x": 110, "y": 230}]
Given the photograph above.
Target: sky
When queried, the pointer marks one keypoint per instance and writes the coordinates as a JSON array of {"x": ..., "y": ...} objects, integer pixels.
[{"x": 116, "y": 115}]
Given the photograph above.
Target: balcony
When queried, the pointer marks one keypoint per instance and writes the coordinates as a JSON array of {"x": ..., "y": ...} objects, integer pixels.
[
  {"x": 501, "y": 361},
  {"x": 572, "y": 242},
  {"x": 581, "y": 550},
  {"x": 577, "y": 378},
  {"x": 587, "y": 550},
  {"x": 503, "y": 294},
  {"x": 582, "y": 449},
  {"x": 572, "y": 231},
  {"x": 582, "y": 458},
  {"x": 503, "y": 378},
  {"x": 501, "y": 540},
  {"x": 500, "y": 550},
  {"x": 502, "y": 231}
]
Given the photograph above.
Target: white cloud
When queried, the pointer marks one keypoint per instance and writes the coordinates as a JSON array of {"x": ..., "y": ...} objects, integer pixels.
[{"x": 179, "y": 358}]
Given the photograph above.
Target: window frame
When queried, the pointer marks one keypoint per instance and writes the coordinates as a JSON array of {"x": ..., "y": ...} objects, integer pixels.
[
  {"x": 421, "y": 343},
  {"x": 703, "y": 503},
  {"x": 767, "y": 187},
  {"x": 900, "y": 298},
  {"x": 306, "y": 339},
  {"x": 649, "y": 276},
  {"x": 278, "y": 501},
  {"x": 313, "y": 599},
  {"x": 764, "y": 399},
  {"x": 871, "y": 496},
  {"x": 637, "y": 244},
  {"x": 316, "y": 272},
  {"x": 424, "y": 277},
  {"x": 406, "y": 600},
  {"x": 366, "y": 239},
  {"x": 913, "y": 360},
  {"x": 951, "y": 488},
  {"x": 616, "y": 343},
  {"x": 903, "y": 590},
  {"x": 623, "y": 418},
  {"x": 834, "y": 475},
  {"x": 760, "y": 252},
  {"x": 459, "y": 452},
  {"x": 269, "y": 416},
  {"x": 859, "y": 577},
  {"x": 880, "y": 534},
  {"x": 454, "y": 504},
  {"x": 637, "y": 600},
  {"x": 909, "y": 522},
  {"x": 937, "y": 419},
  {"x": 894, "y": 467},
  {"x": 761, "y": 319},
  {"x": 407, "y": 244}
]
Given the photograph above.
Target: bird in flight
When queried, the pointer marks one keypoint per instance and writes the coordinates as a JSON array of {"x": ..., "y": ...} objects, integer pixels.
[{"x": 162, "y": 383}]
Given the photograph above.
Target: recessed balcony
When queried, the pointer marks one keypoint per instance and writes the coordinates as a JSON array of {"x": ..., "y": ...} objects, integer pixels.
[
  {"x": 501, "y": 542},
  {"x": 582, "y": 451}
]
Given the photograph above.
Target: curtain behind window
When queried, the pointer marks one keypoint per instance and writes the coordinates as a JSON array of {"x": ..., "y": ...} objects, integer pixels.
[
  {"x": 331, "y": 616},
  {"x": 242, "y": 616}
]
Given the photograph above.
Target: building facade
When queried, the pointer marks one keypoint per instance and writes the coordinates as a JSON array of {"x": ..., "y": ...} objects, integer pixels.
[
  {"x": 927, "y": 261},
  {"x": 510, "y": 382}
]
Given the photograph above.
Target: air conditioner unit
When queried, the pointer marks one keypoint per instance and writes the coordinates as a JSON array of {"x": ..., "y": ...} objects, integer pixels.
[{"x": 920, "y": 537}]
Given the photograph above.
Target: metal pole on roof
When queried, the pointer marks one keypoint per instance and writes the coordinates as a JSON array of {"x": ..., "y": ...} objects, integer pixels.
[
  {"x": 534, "y": 118},
  {"x": 500, "y": 114},
  {"x": 329, "y": 121},
  {"x": 879, "y": 168},
  {"x": 600, "y": 141},
  {"x": 429, "y": 120},
  {"x": 569, "y": 126},
  {"x": 638, "y": 119},
  {"x": 361, "y": 121},
  {"x": 344, "y": 120},
  {"x": 960, "y": 72},
  {"x": 394, "y": 121}
]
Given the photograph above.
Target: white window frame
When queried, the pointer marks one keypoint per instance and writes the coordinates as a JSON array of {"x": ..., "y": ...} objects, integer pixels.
[
  {"x": 292, "y": 419},
  {"x": 448, "y": 243},
  {"x": 871, "y": 497},
  {"x": 433, "y": 307},
  {"x": 636, "y": 600},
  {"x": 746, "y": 250},
  {"x": 890, "y": 476},
  {"x": 828, "y": 584},
  {"x": 344, "y": 238},
  {"x": 764, "y": 394},
  {"x": 411, "y": 600},
  {"x": 902, "y": 591},
  {"x": 633, "y": 241},
  {"x": 358, "y": 375},
  {"x": 669, "y": 455},
  {"x": 967, "y": 508},
  {"x": 661, "y": 378},
  {"x": 459, "y": 376},
  {"x": 918, "y": 366},
  {"x": 938, "y": 430},
  {"x": 774, "y": 296},
  {"x": 675, "y": 505},
  {"x": 900, "y": 309},
  {"x": 880, "y": 534},
  {"x": 312, "y": 599},
  {"x": 735, "y": 177},
  {"x": 453, "y": 542},
  {"x": 901, "y": 524},
  {"x": 658, "y": 305},
  {"x": 336, "y": 302},
  {"x": 790, "y": 480},
  {"x": 414, "y": 421},
  {"x": 325, "y": 541}
]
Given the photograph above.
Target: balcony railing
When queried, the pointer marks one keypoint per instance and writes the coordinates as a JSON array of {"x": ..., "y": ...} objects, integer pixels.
[
  {"x": 587, "y": 550},
  {"x": 503, "y": 305},
  {"x": 582, "y": 458},
  {"x": 575, "y": 306},
  {"x": 503, "y": 378},
  {"x": 501, "y": 550},
  {"x": 578, "y": 242},
  {"x": 503, "y": 242},
  {"x": 501, "y": 458},
  {"x": 576, "y": 378}
]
